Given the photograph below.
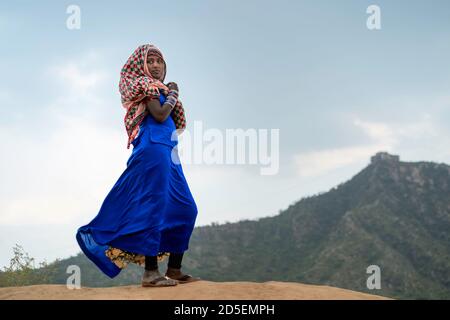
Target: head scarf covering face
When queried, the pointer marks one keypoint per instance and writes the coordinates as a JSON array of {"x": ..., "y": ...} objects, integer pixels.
[{"x": 137, "y": 83}]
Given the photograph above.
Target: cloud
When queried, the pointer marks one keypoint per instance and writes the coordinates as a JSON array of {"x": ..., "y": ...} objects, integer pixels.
[
  {"x": 76, "y": 80},
  {"x": 80, "y": 78},
  {"x": 55, "y": 178},
  {"x": 384, "y": 136},
  {"x": 62, "y": 177},
  {"x": 377, "y": 131},
  {"x": 320, "y": 162}
]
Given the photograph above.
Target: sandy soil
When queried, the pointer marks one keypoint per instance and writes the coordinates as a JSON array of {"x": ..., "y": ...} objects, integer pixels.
[{"x": 204, "y": 290}]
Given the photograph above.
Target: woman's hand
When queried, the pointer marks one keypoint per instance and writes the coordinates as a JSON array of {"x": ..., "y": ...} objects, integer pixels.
[{"x": 173, "y": 86}]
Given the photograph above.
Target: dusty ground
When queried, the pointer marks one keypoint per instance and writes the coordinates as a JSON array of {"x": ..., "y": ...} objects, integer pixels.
[{"x": 204, "y": 290}]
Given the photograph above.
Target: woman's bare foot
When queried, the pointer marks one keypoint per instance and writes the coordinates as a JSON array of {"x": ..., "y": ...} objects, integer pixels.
[
  {"x": 179, "y": 276},
  {"x": 152, "y": 278}
]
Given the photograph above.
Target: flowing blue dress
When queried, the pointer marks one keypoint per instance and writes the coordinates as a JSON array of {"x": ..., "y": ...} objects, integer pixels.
[{"x": 150, "y": 209}]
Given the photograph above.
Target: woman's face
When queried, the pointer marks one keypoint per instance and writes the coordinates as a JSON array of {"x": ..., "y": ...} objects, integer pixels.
[{"x": 155, "y": 66}]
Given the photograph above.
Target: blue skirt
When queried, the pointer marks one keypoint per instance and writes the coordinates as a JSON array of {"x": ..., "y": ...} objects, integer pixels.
[{"x": 150, "y": 209}]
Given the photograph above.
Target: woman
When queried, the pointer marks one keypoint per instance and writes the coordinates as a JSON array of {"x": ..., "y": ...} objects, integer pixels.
[{"x": 150, "y": 212}]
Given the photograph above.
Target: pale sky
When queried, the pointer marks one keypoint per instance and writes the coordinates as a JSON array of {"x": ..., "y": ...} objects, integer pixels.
[{"x": 337, "y": 91}]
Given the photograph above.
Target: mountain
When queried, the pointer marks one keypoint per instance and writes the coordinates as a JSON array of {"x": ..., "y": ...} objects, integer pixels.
[{"x": 392, "y": 214}]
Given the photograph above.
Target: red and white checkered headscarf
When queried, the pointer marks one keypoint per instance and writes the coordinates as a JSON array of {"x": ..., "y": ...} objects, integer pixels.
[{"x": 137, "y": 83}]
